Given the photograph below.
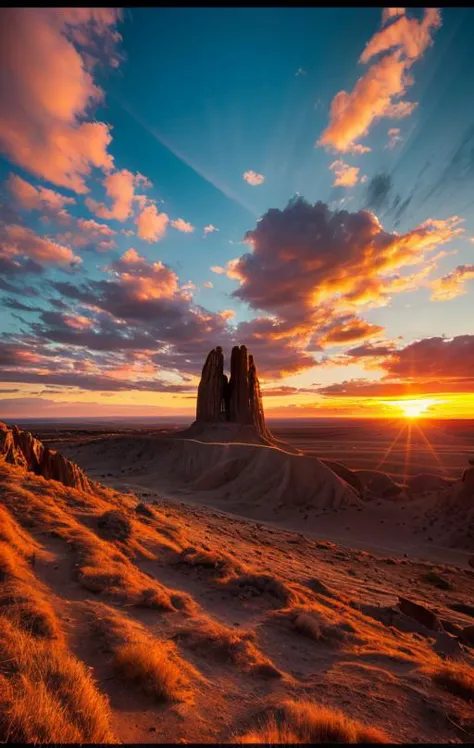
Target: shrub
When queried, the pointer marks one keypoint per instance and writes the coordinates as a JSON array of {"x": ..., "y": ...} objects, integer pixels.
[{"x": 307, "y": 722}]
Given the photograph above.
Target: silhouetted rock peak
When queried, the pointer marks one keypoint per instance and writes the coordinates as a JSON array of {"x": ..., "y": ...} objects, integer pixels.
[
  {"x": 21, "y": 448},
  {"x": 237, "y": 400}
]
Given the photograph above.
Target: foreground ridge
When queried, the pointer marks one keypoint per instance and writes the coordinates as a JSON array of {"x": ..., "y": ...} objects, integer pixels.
[{"x": 21, "y": 448}]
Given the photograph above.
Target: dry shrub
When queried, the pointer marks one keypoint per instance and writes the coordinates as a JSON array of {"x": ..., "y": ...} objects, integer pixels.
[
  {"x": 227, "y": 645},
  {"x": 307, "y": 722},
  {"x": 115, "y": 525},
  {"x": 46, "y": 695},
  {"x": 319, "y": 587},
  {"x": 457, "y": 678},
  {"x": 221, "y": 563},
  {"x": 334, "y": 634},
  {"x": 255, "y": 585},
  {"x": 153, "y": 668}
]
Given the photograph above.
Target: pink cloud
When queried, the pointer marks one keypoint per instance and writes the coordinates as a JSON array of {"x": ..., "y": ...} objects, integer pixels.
[
  {"x": 20, "y": 241},
  {"x": 120, "y": 188},
  {"x": 208, "y": 284},
  {"x": 253, "y": 178},
  {"x": 378, "y": 92},
  {"x": 209, "y": 229},
  {"x": 345, "y": 175},
  {"x": 183, "y": 226},
  {"x": 394, "y": 137},
  {"x": 151, "y": 225},
  {"x": 36, "y": 198},
  {"x": 46, "y": 92},
  {"x": 144, "y": 280}
]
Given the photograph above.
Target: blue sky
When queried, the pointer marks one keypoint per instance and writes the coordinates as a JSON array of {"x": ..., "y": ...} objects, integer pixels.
[{"x": 193, "y": 99}]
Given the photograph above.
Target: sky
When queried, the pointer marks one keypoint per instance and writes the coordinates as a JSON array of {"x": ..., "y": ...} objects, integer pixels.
[{"x": 300, "y": 181}]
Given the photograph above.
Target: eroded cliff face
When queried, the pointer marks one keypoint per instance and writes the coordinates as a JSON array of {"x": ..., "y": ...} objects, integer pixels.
[
  {"x": 237, "y": 400},
  {"x": 21, "y": 448}
]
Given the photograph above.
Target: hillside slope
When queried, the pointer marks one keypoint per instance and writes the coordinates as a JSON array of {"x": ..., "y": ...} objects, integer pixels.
[{"x": 165, "y": 623}]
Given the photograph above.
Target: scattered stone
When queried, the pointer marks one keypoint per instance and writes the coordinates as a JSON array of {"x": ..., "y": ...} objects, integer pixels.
[
  {"x": 467, "y": 636},
  {"x": 420, "y": 614},
  {"x": 468, "y": 610},
  {"x": 143, "y": 510},
  {"x": 447, "y": 646}
]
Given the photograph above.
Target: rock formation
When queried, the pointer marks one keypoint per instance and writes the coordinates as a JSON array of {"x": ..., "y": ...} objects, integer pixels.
[
  {"x": 237, "y": 400},
  {"x": 21, "y": 448}
]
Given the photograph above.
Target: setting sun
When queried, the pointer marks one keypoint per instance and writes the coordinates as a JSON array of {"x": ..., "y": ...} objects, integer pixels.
[{"x": 414, "y": 408}]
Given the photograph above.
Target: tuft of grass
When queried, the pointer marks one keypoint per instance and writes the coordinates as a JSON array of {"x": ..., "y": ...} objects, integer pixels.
[
  {"x": 152, "y": 664},
  {"x": 262, "y": 584},
  {"x": 431, "y": 577},
  {"x": 308, "y": 722},
  {"x": 227, "y": 645},
  {"x": 46, "y": 695},
  {"x": 223, "y": 564},
  {"x": 115, "y": 525},
  {"x": 457, "y": 678},
  {"x": 153, "y": 669}
]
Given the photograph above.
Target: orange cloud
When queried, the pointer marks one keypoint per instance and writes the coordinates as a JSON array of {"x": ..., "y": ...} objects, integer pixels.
[
  {"x": 253, "y": 178},
  {"x": 349, "y": 331},
  {"x": 151, "y": 225},
  {"x": 144, "y": 280},
  {"x": 183, "y": 226},
  {"x": 120, "y": 188},
  {"x": 38, "y": 198},
  {"x": 390, "y": 13},
  {"x": 20, "y": 241},
  {"x": 345, "y": 175},
  {"x": 453, "y": 284},
  {"x": 378, "y": 92},
  {"x": 46, "y": 92}
]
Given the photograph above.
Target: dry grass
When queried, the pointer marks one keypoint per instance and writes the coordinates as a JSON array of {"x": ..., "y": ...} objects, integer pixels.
[
  {"x": 219, "y": 562},
  {"x": 457, "y": 678},
  {"x": 227, "y": 645},
  {"x": 152, "y": 664},
  {"x": 46, "y": 695},
  {"x": 306, "y": 722},
  {"x": 101, "y": 567},
  {"x": 23, "y": 599},
  {"x": 153, "y": 669},
  {"x": 256, "y": 585}
]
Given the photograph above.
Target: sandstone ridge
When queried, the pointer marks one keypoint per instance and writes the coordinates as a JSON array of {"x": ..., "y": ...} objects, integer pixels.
[{"x": 21, "y": 448}]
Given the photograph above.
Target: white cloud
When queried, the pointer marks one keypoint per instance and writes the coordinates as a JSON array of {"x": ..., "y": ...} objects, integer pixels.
[{"x": 253, "y": 178}]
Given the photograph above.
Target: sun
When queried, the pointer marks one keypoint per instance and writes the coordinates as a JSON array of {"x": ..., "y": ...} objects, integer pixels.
[{"x": 414, "y": 408}]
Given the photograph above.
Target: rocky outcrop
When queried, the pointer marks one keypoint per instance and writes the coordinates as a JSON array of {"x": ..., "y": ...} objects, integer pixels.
[
  {"x": 237, "y": 400},
  {"x": 21, "y": 448}
]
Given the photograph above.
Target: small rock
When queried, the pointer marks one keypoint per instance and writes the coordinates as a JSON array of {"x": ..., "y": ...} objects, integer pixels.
[
  {"x": 419, "y": 613},
  {"x": 467, "y": 636}
]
